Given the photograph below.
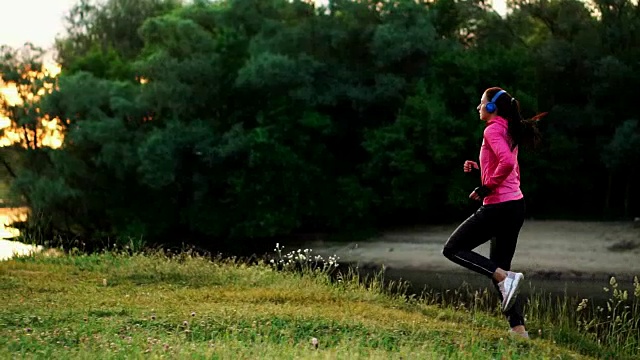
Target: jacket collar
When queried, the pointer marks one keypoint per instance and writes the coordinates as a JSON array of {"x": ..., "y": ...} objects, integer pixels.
[{"x": 498, "y": 120}]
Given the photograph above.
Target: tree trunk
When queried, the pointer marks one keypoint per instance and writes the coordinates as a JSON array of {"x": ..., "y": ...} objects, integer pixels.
[
  {"x": 607, "y": 200},
  {"x": 8, "y": 167},
  {"x": 627, "y": 196}
]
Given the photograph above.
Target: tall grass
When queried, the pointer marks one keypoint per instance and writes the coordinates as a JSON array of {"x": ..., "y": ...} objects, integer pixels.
[
  {"x": 609, "y": 330},
  {"x": 293, "y": 305},
  {"x": 612, "y": 330}
]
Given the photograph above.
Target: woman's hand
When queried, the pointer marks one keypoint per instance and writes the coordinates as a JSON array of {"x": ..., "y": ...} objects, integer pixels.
[
  {"x": 470, "y": 165},
  {"x": 479, "y": 193}
]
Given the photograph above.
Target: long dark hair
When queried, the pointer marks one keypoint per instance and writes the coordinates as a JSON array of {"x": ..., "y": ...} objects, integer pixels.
[{"x": 523, "y": 132}]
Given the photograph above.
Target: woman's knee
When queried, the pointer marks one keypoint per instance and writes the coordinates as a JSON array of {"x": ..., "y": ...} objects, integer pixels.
[
  {"x": 446, "y": 252},
  {"x": 449, "y": 250}
]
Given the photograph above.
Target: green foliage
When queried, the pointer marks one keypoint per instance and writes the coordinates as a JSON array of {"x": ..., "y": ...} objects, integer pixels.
[
  {"x": 411, "y": 158},
  {"x": 104, "y": 64},
  {"x": 624, "y": 147},
  {"x": 265, "y": 118},
  {"x": 100, "y": 35}
]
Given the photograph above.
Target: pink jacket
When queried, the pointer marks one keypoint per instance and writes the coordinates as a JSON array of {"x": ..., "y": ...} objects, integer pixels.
[{"x": 498, "y": 164}]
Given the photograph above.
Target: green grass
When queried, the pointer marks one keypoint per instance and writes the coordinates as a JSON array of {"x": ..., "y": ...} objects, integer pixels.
[{"x": 150, "y": 306}]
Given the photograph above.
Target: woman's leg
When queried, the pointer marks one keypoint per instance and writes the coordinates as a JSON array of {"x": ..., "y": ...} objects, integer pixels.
[
  {"x": 502, "y": 251},
  {"x": 473, "y": 232}
]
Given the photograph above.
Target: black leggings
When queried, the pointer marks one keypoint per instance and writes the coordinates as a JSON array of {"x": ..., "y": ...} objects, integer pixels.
[{"x": 500, "y": 223}]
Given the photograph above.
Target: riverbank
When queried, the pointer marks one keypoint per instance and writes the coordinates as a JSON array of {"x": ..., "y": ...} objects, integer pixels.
[{"x": 562, "y": 250}]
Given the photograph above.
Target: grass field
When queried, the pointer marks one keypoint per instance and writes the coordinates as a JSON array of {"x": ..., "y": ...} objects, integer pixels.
[{"x": 115, "y": 305}]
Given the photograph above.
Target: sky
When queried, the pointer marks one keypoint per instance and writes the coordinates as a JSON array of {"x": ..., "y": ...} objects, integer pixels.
[
  {"x": 37, "y": 21},
  {"x": 45, "y": 19}
]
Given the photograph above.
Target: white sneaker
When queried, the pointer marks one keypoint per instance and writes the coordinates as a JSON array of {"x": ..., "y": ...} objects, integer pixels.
[{"x": 509, "y": 288}]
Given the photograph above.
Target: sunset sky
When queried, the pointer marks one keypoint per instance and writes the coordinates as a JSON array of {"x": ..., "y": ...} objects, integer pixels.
[{"x": 39, "y": 21}]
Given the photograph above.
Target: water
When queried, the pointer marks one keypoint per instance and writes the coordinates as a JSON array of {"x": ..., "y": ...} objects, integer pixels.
[
  {"x": 442, "y": 281},
  {"x": 9, "y": 248}
]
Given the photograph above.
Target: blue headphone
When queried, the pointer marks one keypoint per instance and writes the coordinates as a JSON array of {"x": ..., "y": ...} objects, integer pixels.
[{"x": 491, "y": 105}]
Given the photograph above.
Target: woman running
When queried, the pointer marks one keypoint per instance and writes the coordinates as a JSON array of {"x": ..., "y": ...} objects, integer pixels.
[{"x": 502, "y": 212}]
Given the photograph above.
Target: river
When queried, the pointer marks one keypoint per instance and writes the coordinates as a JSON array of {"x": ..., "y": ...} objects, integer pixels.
[
  {"x": 557, "y": 257},
  {"x": 9, "y": 248}
]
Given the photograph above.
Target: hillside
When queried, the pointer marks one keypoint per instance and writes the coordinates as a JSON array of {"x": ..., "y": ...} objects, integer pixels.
[{"x": 117, "y": 305}]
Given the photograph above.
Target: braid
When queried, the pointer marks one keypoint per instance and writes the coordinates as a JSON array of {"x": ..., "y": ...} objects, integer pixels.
[{"x": 523, "y": 131}]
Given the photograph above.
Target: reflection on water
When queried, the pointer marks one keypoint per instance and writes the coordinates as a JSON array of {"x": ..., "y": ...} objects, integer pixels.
[
  {"x": 440, "y": 281},
  {"x": 463, "y": 285},
  {"x": 8, "y": 248},
  {"x": 7, "y": 217}
]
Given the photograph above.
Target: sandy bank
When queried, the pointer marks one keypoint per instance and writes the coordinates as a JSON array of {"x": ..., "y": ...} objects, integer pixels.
[{"x": 556, "y": 249}]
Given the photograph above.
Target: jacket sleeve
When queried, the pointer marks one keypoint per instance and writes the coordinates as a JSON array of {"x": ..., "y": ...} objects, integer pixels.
[{"x": 496, "y": 138}]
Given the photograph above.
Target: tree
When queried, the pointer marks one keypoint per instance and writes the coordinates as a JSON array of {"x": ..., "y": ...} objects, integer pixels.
[
  {"x": 619, "y": 156},
  {"x": 234, "y": 122},
  {"x": 103, "y": 38},
  {"x": 27, "y": 78}
]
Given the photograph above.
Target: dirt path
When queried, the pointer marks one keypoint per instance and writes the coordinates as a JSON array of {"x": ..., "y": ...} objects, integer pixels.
[{"x": 553, "y": 249}]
